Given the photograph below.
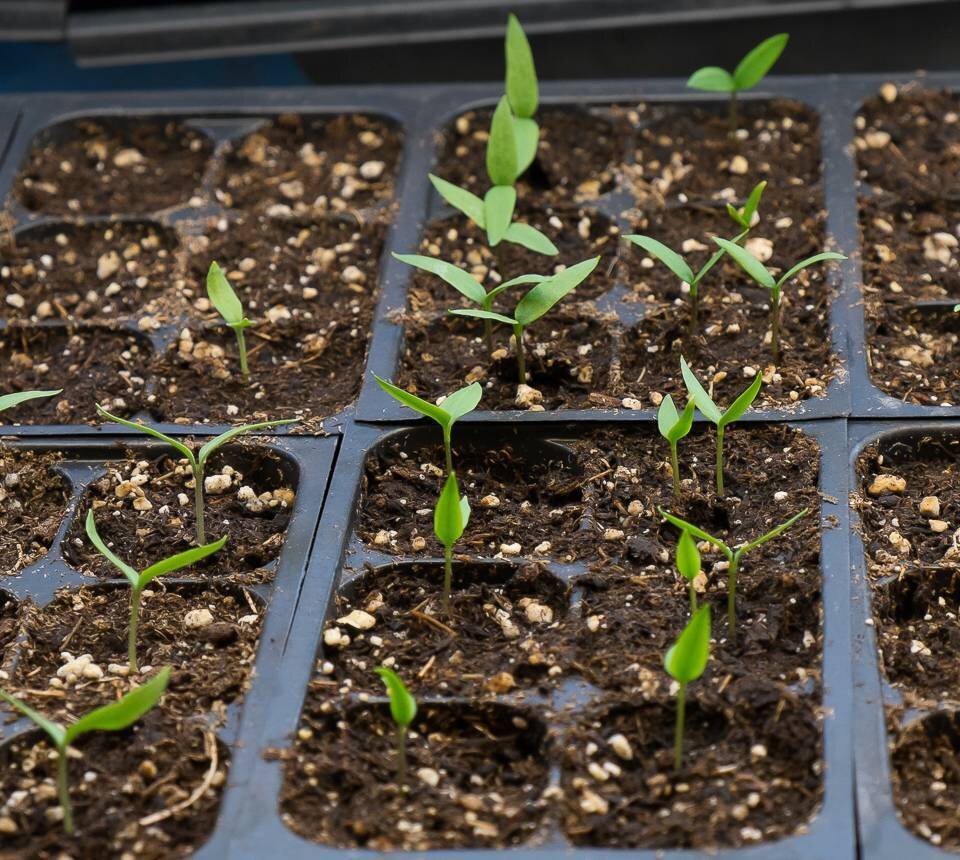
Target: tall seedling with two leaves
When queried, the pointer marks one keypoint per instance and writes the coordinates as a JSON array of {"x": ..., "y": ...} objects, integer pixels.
[
  {"x": 685, "y": 661},
  {"x": 673, "y": 426},
  {"x": 225, "y": 300},
  {"x": 450, "y": 518}
]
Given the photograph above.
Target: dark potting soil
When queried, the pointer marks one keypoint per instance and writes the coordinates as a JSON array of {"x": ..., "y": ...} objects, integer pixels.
[
  {"x": 109, "y": 166},
  {"x": 33, "y": 500},
  {"x": 144, "y": 512},
  {"x": 92, "y": 365},
  {"x": 151, "y": 791},
  {"x": 337, "y": 163},
  {"x": 9, "y": 615}
]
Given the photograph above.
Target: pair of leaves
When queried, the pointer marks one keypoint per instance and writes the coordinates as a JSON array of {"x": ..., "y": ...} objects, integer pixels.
[
  {"x": 8, "y": 401},
  {"x": 452, "y": 513},
  {"x": 761, "y": 274},
  {"x": 673, "y": 426},
  {"x": 140, "y": 580},
  {"x": 454, "y": 406},
  {"x": 710, "y": 409},
  {"x": 403, "y": 707},
  {"x": 224, "y": 299},
  {"x": 110, "y": 718},
  {"x": 686, "y": 659},
  {"x": 749, "y": 72}
]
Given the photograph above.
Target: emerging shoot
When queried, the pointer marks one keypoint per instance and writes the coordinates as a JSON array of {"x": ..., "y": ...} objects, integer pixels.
[
  {"x": 198, "y": 461},
  {"x": 712, "y": 412},
  {"x": 8, "y": 401},
  {"x": 454, "y": 406},
  {"x": 547, "y": 292},
  {"x": 140, "y": 580},
  {"x": 673, "y": 427},
  {"x": 688, "y": 563},
  {"x": 749, "y": 72},
  {"x": 450, "y": 518},
  {"x": 762, "y": 275},
  {"x": 523, "y": 93},
  {"x": 403, "y": 709},
  {"x": 110, "y": 718},
  {"x": 733, "y": 556},
  {"x": 685, "y": 661},
  {"x": 225, "y": 300}
]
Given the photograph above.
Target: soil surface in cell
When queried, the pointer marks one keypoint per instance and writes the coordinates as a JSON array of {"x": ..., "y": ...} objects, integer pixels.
[
  {"x": 126, "y": 789},
  {"x": 144, "y": 511},
  {"x": 477, "y": 776},
  {"x": 305, "y": 164},
  {"x": 9, "y": 615},
  {"x": 94, "y": 166},
  {"x": 92, "y": 365},
  {"x": 77, "y": 645}
]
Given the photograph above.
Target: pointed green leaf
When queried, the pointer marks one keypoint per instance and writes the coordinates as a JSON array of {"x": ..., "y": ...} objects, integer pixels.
[
  {"x": 754, "y": 66},
  {"x": 465, "y": 511},
  {"x": 667, "y": 416},
  {"x": 688, "y": 556},
  {"x": 462, "y": 401},
  {"x": 130, "y": 573},
  {"x": 522, "y": 280},
  {"x": 770, "y": 535},
  {"x": 403, "y": 707},
  {"x": 417, "y": 404},
  {"x": 547, "y": 293},
  {"x": 498, "y": 207},
  {"x": 803, "y": 264},
  {"x": 683, "y": 525},
  {"x": 753, "y": 203},
  {"x": 501, "y": 148},
  {"x": 223, "y": 438},
  {"x": 448, "y": 522},
  {"x": 671, "y": 259},
  {"x": 688, "y": 657},
  {"x": 118, "y": 715},
  {"x": 57, "y": 732},
  {"x": 521, "y": 84},
  {"x": 684, "y": 424},
  {"x": 222, "y": 296},
  {"x": 179, "y": 561},
  {"x": 742, "y": 403},
  {"x": 460, "y": 199},
  {"x": 483, "y": 315},
  {"x": 460, "y": 279},
  {"x": 145, "y": 428},
  {"x": 526, "y": 133},
  {"x": 531, "y": 238},
  {"x": 699, "y": 395},
  {"x": 16, "y": 398},
  {"x": 711, "y": 79},
  {"x": 750, "y": 264}
]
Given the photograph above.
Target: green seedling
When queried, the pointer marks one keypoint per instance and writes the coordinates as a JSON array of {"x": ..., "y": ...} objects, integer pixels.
[
  {"x": 8, "y": 401},
  {"x": 548, "y": 290},
  {"x": 225, "y": 300},
  {"x": 198, "y": 461},
  {"x": 733, "y": 556},
  {"x": 712, "y": 412},
  {"x": 140, "y": 580},
  {"x": 454, "y": 406},
  {"x": 749, "y": 72},
  {"x": 685, "y": 661},
  {"x": 450, "y": 518},
  {"x": 742, "y": 217},
  {"x": 762, "y": 275},
  {"x": 110, "y": 718},
  {"x": 688, "y": 563},
  {"x": 673, "y": 427},
  {"x": 523, "y": 93},
  {"x": 403, "y": 709}
]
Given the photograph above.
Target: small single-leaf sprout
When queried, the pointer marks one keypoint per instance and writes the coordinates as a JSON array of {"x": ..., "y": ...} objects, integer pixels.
[
  {"x": 110, "y": 718},
  {"x": 403, "y": 709},
  {"x": 454, "y": 406},
  {"x": 140, "y": 580},
  {"x": 712, "y": 412},
  {"x": 225, "y": 300},
  {"x": 733, "y": 556},
  {"x": 673, "y": 427},
  {"x": 8, "y": 401},
  {"x": 523, "y": 93},
  {"x": 761, "y": 274},
  {"x": 548, "y": 290},
  {"x": 688, "y": 563},
  {"x": 749, "y": 72},
  {"x": 685, "y": 661},
  {"x": 198, "y": 461},
  {"x": 742, "y": 217},
  {"x": 450, "y": 518}
]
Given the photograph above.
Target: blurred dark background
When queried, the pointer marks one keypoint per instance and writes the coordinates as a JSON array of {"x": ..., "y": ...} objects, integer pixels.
[{"x": 110, "y": 44}]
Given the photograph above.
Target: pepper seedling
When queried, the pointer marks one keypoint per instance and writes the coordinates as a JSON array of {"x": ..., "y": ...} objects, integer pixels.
[
  {"x": 688, "y": 563},
  {"x": 685, "y": 661},
  {"x": 403, "y": 709},
  {"x": 140, "y": 580},
  {"x": 742, "y": 217},
  {"x": 450, "y": 518},
  {"x": 198, "y": 461},
  {"x": 110, "y": 718},
  {"x": 548, "y": 291},
  {"x": 454, "y": 406},
  {"x": 225, "y": 300},
  {"x": 749, "y": 72},
  {"x": 8, "y": 401},
  {"x": 523, "y": 93},
  {"x": 762, "y": 275},
  {"x": 712, "y": 412},
  {"x": 673, "y": 427},
  {"x": 733, "y": 556}
]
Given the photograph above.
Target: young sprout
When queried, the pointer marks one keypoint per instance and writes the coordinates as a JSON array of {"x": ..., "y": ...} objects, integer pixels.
[
  {"x": 547, "y": 292},
  {"x": 454, "y": 407},
  {"x": 523, "y": 93},
  {"x": 8, "y": 401},
  {"x": 110, "y": 718},
  {"x": 403, "y": 709},
  {"x": 685, "y": 661},
  {"x": 450, "y": 518},
  {"x": 712, "y": 412},
  {"x": 743, "y": 218},
  {"x": 761, "y": 274},
  {"x": 198, "y": 461},
  {"x": 225, "y": 300},
  {"x": 139, "y": 581},
  {"x": 673, "y": 427},
  {"x": 688, "y": 563},
  {"x": 749, "y": 72},
  {"x": 733, "y": 556}
]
